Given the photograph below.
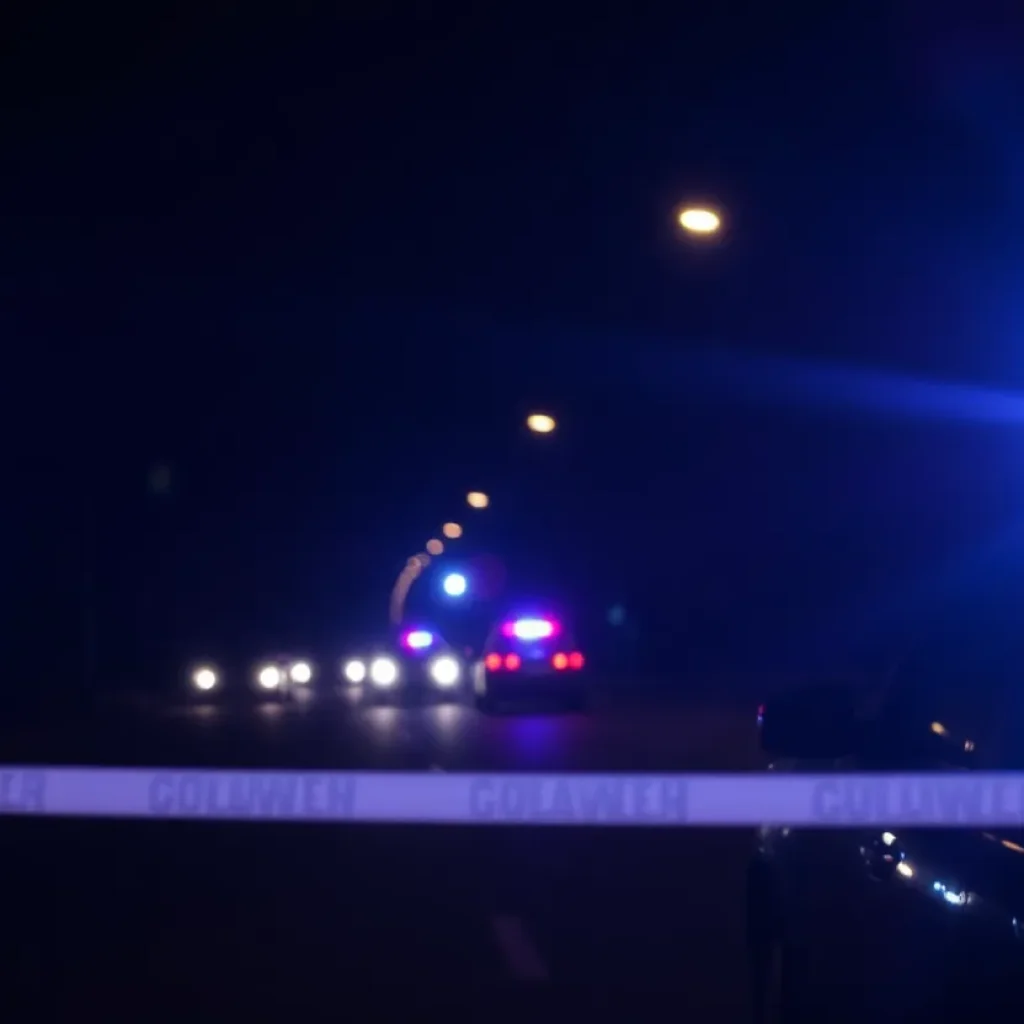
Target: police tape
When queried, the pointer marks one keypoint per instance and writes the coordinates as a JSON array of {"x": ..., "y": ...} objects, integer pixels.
[{"x": 834, "y": 800}]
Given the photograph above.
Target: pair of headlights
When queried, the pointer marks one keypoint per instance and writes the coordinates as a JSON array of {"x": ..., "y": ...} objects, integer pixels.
[
  {"x": 272, "y": 677},
  {"x": 444, "y": 671}
]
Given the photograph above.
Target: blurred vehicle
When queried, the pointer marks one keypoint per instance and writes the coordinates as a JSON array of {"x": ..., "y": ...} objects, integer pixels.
[
  {"x": 281, "y": 676},
  {"x": 530, "y": 658},
  {"x": 421, "y": 662},
  {"x": 883, "y": 921}
]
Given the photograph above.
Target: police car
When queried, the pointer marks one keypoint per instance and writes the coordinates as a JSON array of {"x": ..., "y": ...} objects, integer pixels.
[
  {"x": 423, "y": 663},
  {"x": 530, "y": 658}
]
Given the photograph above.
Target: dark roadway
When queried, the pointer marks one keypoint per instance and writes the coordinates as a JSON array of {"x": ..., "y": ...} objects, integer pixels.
[{"x": 159, "y": 919}]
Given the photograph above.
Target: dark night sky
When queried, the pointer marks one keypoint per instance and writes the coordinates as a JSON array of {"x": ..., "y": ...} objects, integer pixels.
[{"x": 320, "y": 266}]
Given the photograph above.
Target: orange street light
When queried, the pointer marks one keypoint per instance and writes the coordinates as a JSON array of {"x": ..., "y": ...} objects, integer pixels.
[{"x": 699, "y": 220}]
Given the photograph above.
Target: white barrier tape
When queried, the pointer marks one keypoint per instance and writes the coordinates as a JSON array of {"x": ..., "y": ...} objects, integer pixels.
[{"x": 574, "y": 799}]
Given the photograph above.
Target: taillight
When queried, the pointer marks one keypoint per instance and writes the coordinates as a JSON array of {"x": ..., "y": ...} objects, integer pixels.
[
  {"x": 495, "y": 662},
  {"x": 563, "y": 661}
]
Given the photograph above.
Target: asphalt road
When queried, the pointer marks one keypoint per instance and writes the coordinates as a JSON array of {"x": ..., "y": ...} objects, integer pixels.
[{"x": 157, "y": 919}]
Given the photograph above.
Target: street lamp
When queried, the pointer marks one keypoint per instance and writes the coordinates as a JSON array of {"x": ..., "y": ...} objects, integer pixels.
[
  {"x": 540, "y": 423},
  {"x": 413, "y": 568},
  {"x": 455, "y": 584},
  {"x": 699, "y": 220}
]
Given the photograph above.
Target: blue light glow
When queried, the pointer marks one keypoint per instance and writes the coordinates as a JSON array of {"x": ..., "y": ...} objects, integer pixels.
[
  {"x": 530, "y": 629},
  {"x": 455, "y": 584}
]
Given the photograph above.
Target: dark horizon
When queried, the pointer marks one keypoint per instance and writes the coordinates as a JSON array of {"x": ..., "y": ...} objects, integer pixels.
[{"x": 321, "y": 271}]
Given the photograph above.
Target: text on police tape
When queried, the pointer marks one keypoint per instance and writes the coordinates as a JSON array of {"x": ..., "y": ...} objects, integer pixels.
[
  {"x": 823, "y": 801},
  {"x": 303, "y": 796},
  {"x": 957, "y": 801},
  {"x": 538, "y": 800},
  {"x": 22, "y": 791}
]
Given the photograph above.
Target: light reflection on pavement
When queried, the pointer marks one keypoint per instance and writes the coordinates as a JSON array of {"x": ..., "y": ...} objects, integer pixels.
[{"x": 452, "y": 737}]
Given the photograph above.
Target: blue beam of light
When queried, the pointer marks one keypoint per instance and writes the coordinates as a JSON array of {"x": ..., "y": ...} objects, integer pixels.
[
  {"x": 903, "y": 606},
  {"x": 778, "y": 380}
]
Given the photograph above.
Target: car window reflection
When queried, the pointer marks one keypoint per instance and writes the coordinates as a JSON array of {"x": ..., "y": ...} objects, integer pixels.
[{"x": 962, "y": 690}]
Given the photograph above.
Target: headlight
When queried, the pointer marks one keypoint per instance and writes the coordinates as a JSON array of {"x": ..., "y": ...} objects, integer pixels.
[
  {"x": 354, "y": 671},
  {"x": 445, "y": 671},
  {"x": 383, "y": 671},
  {"x": 204, "y": 679},
  {"x": 301, "y": 672},
  {"x": 269, "y": 677}
]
